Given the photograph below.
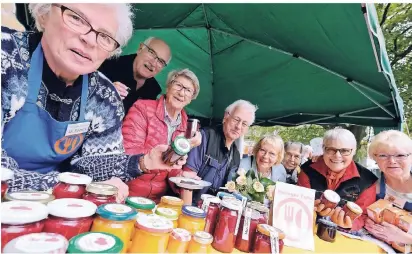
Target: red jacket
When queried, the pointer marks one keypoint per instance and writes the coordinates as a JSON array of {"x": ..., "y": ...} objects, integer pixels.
[{"x": 144, "y": 128}]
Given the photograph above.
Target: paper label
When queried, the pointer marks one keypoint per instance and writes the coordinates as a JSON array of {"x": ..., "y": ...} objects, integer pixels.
[
  {"x": 96, "y": 242},
  {"x": 274, "y": 242},
  {"x": 194, "y": 209},
  {"x": 246, "y": 224},
  {"x": 118, "y": 208},
  {"x": 29, "y": 195},
  {"x": 140, "y": 200},
  {"x": 40, "y": 243},
  {"x": 399, "y": 202},
  {"x": 77, "y": 128},
  {"x": 205, "y": 205},
  {"x": 239, "y": 215}
]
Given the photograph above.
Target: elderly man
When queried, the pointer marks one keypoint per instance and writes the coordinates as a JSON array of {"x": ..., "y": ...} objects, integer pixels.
[
  {"x": 291, "y": 161},
  {"x": 133, "y": 75}
]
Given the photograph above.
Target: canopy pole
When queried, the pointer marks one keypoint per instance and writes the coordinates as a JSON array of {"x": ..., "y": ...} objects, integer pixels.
[
  {"x": 316, "y": 120},
  {"x": 209, "y": 36},
  {"x": 361, "y": 110}
]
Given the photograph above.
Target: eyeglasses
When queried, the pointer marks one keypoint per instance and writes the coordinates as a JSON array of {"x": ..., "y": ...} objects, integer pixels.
[
  {"x": 397, "y": 157},
  {"x": 342, "y": 151},
  {"x": 292, "y": 156},
  {"x": 179, "y": 86},
  {"x": 78, "y": 24},
  {"x": 160, "y": 63},
  {"x": 263, "y": 152},
  {"x": 237, "y": 120}
]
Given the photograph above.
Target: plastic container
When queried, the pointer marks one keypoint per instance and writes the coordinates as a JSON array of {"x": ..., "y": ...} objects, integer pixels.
[
  {"x": 37, "y": 243},
  {"x": 142, "y": 205},
  {"x": 192, "y": 219},
  {"x": 100, "y": 193},
  {"x": 265, "y": 239},
  {"x": 116, "y": 219},
  {"x": 152, "y": 234},
  {"x": 69, "y": 216},
  {"x": 179, "y": 147},
  {"x": 178, "y": 241},
  {"x": 71, "y": 185},
  {"x": 6, "y": 174},
  {"x": 201, "y": 243},
  {"x": 172, "y": 203},
  {"x": 212, "y": 207},
  {"x": 33, "y": 196},
  {"x": 95, "y": 242},
  {"x": 247, "y": 229},
  {"x": 21, "y": 218},
  {"x": 168, "y": 214}
]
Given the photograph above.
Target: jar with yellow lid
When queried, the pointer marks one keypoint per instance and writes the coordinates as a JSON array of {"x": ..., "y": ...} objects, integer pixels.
[
  {"x": 192, "y": 219},
  {"x": 200, "y": 243},
  {"x": 142, "y": 205},
  {"x": 168, "y": 214},
  {"x": 116, "y": 219},
  {"x": 100, "y": 193},
  {"x": 152, "y": 234},
  {"x": 178, "y": 241},
  {"x": 172, "y": 203}
]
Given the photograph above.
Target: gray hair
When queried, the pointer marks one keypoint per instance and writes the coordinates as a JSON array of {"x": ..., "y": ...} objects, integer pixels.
[
  {"x": 293, "y": 143},
  {"x": 125, "y": 25},
  {"x": 150, "y": 39},
  {"x": 340, "y": 134},
  {"x": 390, "y": 137},
  {"x": 188, "y": 74},
  {"x": 242, "y": 104}
]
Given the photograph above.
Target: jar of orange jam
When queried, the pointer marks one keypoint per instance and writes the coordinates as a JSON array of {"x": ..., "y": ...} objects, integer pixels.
[
  {"x": 168, "y": 214},
  {"x": 116, "y": 219},
  {"x": 152, "y": 234},
  {"x": 172, "y": 203},
  {"x": 142, "y": 205},
  {"x": 200, "y": 243},
  {"x": 178, "y": 241},
  {"x": 192, "y": 219}
]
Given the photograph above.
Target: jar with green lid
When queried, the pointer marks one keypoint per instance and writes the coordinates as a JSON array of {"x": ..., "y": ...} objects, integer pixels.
[
  {"x": 142, "y": 205},
  {"x": 168, "y": 214},
  {"x": 34, "y": 196},
  {"x": 95, "y": 242},
  {"x": 179, "y": 148}
]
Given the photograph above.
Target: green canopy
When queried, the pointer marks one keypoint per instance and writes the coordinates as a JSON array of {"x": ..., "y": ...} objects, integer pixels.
[{"x": 300, "y": 63}]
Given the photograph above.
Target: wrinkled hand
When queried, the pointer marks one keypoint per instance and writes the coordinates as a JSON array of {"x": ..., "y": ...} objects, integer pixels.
[
  {"x": 190, "y": 174},
  {"x": 387, "y": 232},
  {"x": 320, "y": 209},
  {"x": 153, "y": 160},
  {"x": 123, "y": 189},
  {"x": 122, "y": 89},
  {"x": 340, "y": 219},
  {"x": 196, "y": 140}
]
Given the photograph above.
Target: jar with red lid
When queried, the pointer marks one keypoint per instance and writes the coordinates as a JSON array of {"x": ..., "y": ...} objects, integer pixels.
[
  {"x": 21, "y": 218},
  {"x": 212, "y": 207},
  {"x": 100, "y": 193},
  {"x": 247, "y": 228},
  {"x": 69, "y": 216},
  {"x": 46, "y": 243},
  {"x": 268, "y": 239},
  {"x": 202, "y": 198},
  {"x": 33, "y": 196},
  {"x": 71, "y": 185},
  {"x": 225, "y": 231},
  {"x": 6, "y": 174}
]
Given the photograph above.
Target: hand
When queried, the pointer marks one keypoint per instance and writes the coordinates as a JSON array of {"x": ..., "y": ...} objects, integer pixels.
[
  {"x": 320, "y": 209},
  {"x": 190, "y": 174},
  {"x": 153, "y": 160},
  {"x": 196, "y": 140},
  {"x": 123, "y": 189},
  {"x": 340, "y": 218},
  {"x": 122, "y": 89},
  {"x": 387, "y": 232}
]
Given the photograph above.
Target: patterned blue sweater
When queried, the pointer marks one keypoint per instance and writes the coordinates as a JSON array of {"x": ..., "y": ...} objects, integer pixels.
[{"x": 101, "y": 155}]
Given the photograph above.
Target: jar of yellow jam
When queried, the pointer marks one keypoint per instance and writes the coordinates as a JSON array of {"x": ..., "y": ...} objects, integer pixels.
[
  {"x": 172, "y": 203},
  {"x": 200, "y": 243},
  {"x": 142, "y": 205},
  {"x": 152, "y": 234},
  {"x": 168, "y": 214},
  {"x": 116, "y": 219},
  {"x": 179, "y": 241},
  {"x": 192, "y": 219}
]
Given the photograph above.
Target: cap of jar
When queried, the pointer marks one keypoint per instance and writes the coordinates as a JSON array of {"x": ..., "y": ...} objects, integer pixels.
[
  {"x": 203, "y": 237},
  {"x": 95, "y": 242},
  {"x": 74, "y": 178},
  {"x": 354, "y": 207},
  {"x": 181, "y": 145},
  {"x": 193, "y": 211},
  {"x": 154, "y": 223},
  {"x": 252, "y": 213},
  {"x": 140, "y": 203},
  {"x": 231, "y": 204},
  {"x": 331, "y": 196},
  {"x": 167, "y": 213},
  {"x": 258, "y": 207},
  {"x": 37, "y": 243},
  {"x": 22, "y": 212},
  {"x": 206, "y": 196},
  {"x": 117, "y": 212},
  {"x": 102, "y": 189},
  {"x": 267, "y": 230},
  {"x": 71, "y": 208},
  {"x": 6, "y": 174},
  {"x": 34, "y": 196},
  {"x": 327, "y": 223},
  {"x": 171, "y": 200},
  {"x": 181, "y": 234}
]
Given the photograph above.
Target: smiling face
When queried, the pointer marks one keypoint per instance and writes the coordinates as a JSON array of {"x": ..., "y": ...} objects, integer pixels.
[
  {"x": 145, "y": 64},
  {"x": 292, "y": 156},
  {"x": 337, "y": 162},
  {"x": 266, "y": 156},
  {"x": 394, "y": 167},
  {"x": 179, "y": 99}
]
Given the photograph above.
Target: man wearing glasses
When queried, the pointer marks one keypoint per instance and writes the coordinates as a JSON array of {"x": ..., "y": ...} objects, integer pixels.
[
  {"x": 133, "y": 75},
  {"x": 291, "y": 161}
]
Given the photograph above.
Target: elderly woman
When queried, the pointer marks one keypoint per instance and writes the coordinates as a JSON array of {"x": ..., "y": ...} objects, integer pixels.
[
  {"x": 337, "y": 171},
  {"x": 153, "y": 122},
  {"x": 392, "y": 150},
  {"x": 58, "y": 112}
]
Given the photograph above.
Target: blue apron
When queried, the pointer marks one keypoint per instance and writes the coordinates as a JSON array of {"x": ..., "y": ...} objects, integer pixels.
[
  {"x": 382, "y": 193},
  {"x": 33, "y": 137}
]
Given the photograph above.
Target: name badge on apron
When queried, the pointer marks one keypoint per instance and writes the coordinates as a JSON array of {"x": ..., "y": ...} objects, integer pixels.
[
  {"x": 399, "y": 202},
  {"x": 77, "y": 128}
]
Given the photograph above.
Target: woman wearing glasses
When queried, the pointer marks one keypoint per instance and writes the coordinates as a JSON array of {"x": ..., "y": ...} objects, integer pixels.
[
  {"x": 153, "y": 122},
  {"x": 337, "y": 171},
  {"x": 392, "y": 150}
]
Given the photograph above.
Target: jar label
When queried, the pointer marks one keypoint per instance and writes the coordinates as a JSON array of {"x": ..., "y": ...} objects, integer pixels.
[
  {"x": 183, "y": 234},
  {"x": 173, "y": 198},
  {"x": 41, "y": 243},
  {"x": 246, "y": 224},
  {"x": 118, "y": 208},
  {"x": 203, "y": 234},
  {"x": 142, "y": 201},
  {"x": 95, "y": 242},
  {"x": 206, "y": 203},
  {"x": 29, "y": 195},
  {"x": 194, "y": 209},
  {"x": 239, "y": 215},
  {"x": 73, "y": 188},
  {"x": 167, "y": 211},
  {"x": 156, "y": 222},
  {"x": 274, "y": 242}
]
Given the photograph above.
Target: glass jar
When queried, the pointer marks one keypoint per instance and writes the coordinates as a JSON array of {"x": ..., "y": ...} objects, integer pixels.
[
  {"x": 116, "y": 219},
  {"x": 69, "y": 216},
  {"x": 100, "y": 193},
  {"x": 168, "y": 214},
  {"x": 179, "y": 147},
  {"x": 6, "y": 174},
  {"x": 34, "y": 196},
  {"x": 95, "y": 242},
  {"x": 71, "y": 185},
  {"x": 266, "y": 237},
  {"x": 152, "y": 234},
  {"x": 211, "y": 207},
  {"x": 21, "y": 218},
  {"x": 193, "y": 125},
  {"x": 326, "y": 230},
  {"x": 247, "y": 228},
  {"x": 142, "y": 205},
  {"x": 261, "y": 208},
  {"x": 178, "y": 241},
  {"x": 37, "y": 243},
  {"x": 172, "y": 203},
  {"x": 200, "y": 243},
  {"x": 202, "y": 198},
  {"x": 192, "y": 219}
]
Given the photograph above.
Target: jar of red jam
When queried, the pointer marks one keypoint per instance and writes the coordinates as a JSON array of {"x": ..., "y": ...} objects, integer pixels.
[
  {"x": 248, "y": 223},
  {"x": 95, "y": 242},
  {"x": 71, "y": 185},
  {"x": 262, "y": 209},
  {"x": 100, "y": 193},
  {"x": 180, "y": 147},
  {"x": 212, "y": 207},
  {"x": 37, "y": 243},
  {"x": 268, "y": 239},
  {"x": 69, "y": 216},
  {"x": 225, "y": 232},
  {"x": 34, "y": 196},
  {"x": 202, "y": 198},
  {"x": 6, "y": 174},
  {"x": 21, "y": 218}
]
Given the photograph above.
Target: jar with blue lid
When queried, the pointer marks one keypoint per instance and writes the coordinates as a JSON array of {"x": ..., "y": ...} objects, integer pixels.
[{"x": 192, "y": 219}]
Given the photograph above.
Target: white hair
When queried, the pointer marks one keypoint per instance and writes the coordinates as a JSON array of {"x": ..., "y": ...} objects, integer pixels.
[
  {"x": 242, "y": 104},
  {"x": 150, "y": 39},
  {"x": 390, "y": 138},
  {"x": 124, "y": 19},
  {"x": 342, "y": 135},
  {"x": 188, "y": 74}
]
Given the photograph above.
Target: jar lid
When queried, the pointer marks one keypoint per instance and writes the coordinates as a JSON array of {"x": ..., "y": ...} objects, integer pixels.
[
  {"x": 354, "y": 207},
  {"x": 181, "y": 145},
  {"x": 258, "y": 207},
  {"x": 231, "y": 204},
  {"x": 95, "y": 242},
  {"x": 35, "y": 196},
  {"x": 118, "y": 212},
  {"x": 193, "y": 211},
  {"x": 215, "y": 200},
  {"x": 140, "y": 203},
  {"x": 74, "y": 178},
  {"x": 328, "y": 223},
  {"x": 171, "y": 200},
  {"x": 102, "y": 189},
  {"x": 154, "y": 223},
  {"x": 22, "y": 212},
  {"x": 167, "y": 213},
  {"x": 6, "y": 174},
  {"x": 252, "y": 213},
  {"x": 37, "y": 243},
  {"x": 204, "y": 196},
  {"x": 181, "y": 234},
  {"x": 331, "y": 196},
  {"x": 267, "y": 229},
  {"x": 203, "y": 237},
  {"x": 71, "y": 208}
]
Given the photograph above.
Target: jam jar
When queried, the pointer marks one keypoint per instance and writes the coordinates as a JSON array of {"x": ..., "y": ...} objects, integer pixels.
[
  {"x": 37, "y": 243},
  {"x": 6, "y": 174},
  {"x": 326, "y": 230},
  {"x": 248, "y": 224},
  {"x": 211, "y": 207},
  {"x": 200, "y": 243},
  {"x": 180, "y": 147},
  {"x": 95, "y": 242},
  {"x": 168, "y": 214},
  {"x": 142, "y": 205},
  {"x": 34, "y": 196},
  {"x": 71, "y": 185},
  {"x": 100, "y": 193},
  {"x": 268, "y": 238},
  {"x": 225, "y": 230},
  {"x": 152, "y": 234},
  {"x": 193, "y": 125},
  {"x": 172, "y": 203},
  {"x": 262, "y": 209},
  {"x": 178, "y": 241},
  {"x": 116, "y": 219},
  {"x": 192, "y": 219},
  {"x": 21, "y": 218},
  {"x": 202, "y": 198},
  {"x": 69, "y": 216},
  {"x": 330, "y": 199}
]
